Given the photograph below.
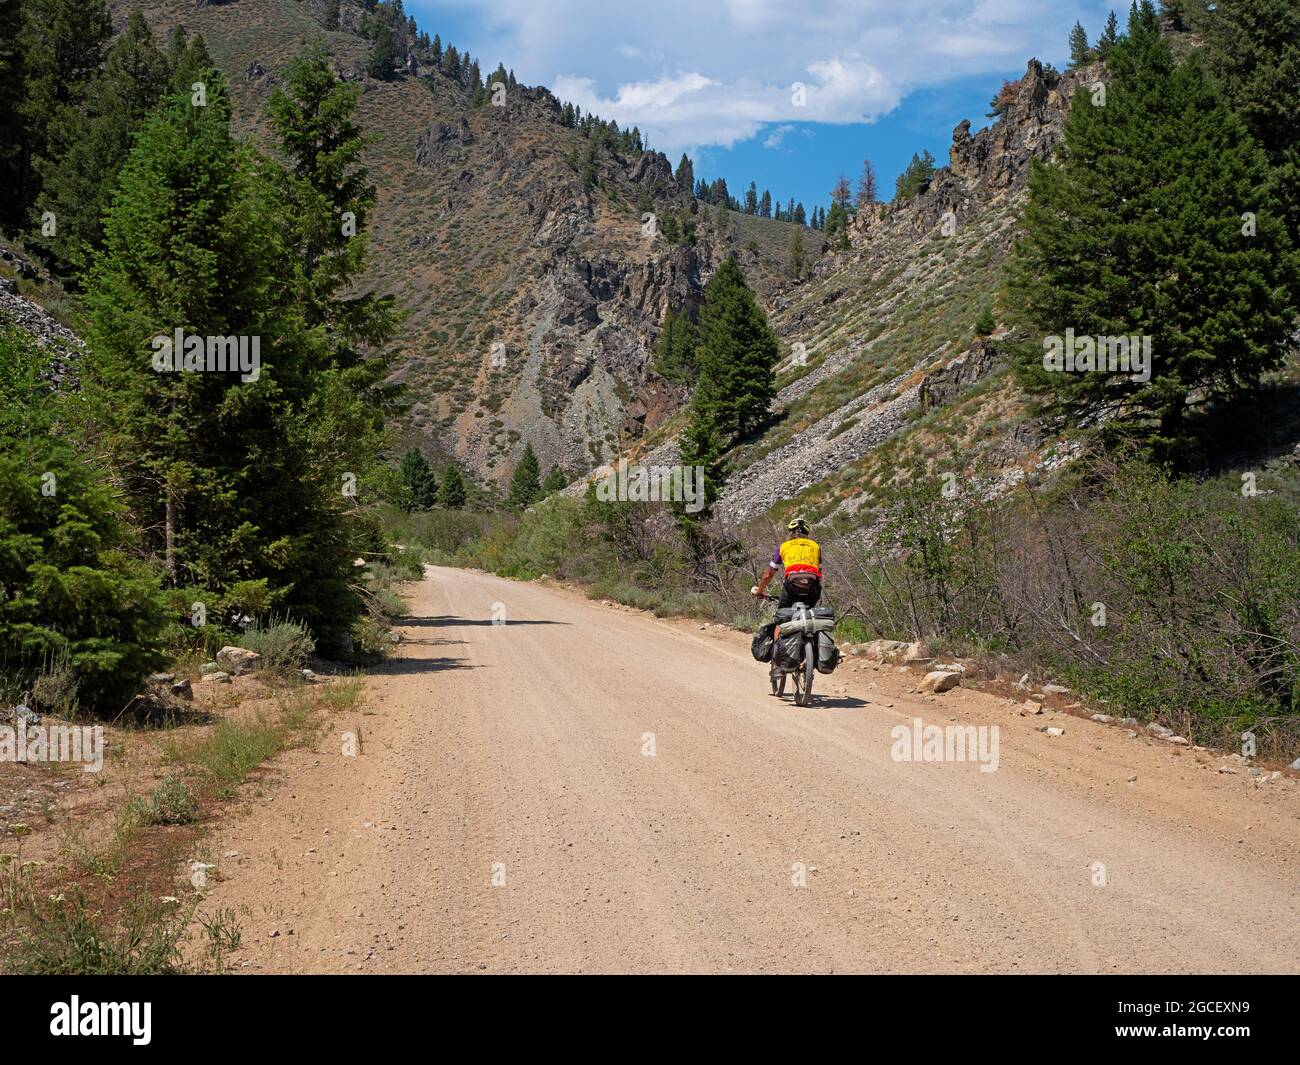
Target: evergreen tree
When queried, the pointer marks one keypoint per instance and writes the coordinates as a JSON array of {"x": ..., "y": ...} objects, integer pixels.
[
  {"x": 1137, "y": 231},
  {"x": 1253, "y": 47},
  {"x": 1109, "y": 35},
  {"x": 236, "y": 476},
  {"x": 1079, "y": 50},
  {"x": 736, "y": 353},
  {"x": 63, "y": 44},
  {"x": 796, "y": 262},
  {"x": 765, "y": 205},
  {"x": 914, "y": 177},
  {"x": 840, "y": 194},
  {"x": 674, "y": 350},
  {"x": 800, "y": 215},
  {"x": 189, "y": 60},
  {"x": 525, "y": 483},
  {"x": 751, "y": 199},
  {"x": 685, "y": 172},
  {"x": 12, "y": 93},
  {"x": 452, "y": 493},
  {"x": 836, "y": 224},
  {"x": 555, "y": 481},
  {"x": 419, "y": 483},
  {"x": 75, "y": 594},
  {"x": 382, "y": 57},
  {"x": 89, "y": 144},
  {"x": 331, "y": 198}
]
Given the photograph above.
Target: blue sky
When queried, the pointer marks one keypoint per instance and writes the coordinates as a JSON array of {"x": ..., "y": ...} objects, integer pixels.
[{"x": 880, "y": 78}]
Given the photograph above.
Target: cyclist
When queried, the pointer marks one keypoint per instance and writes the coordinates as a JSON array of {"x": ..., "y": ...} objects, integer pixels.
[{"x": 802, "y": 559}]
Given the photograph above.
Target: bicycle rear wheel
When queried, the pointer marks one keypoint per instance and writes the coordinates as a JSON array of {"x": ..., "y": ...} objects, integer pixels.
[{"x": 803, "y": 692}]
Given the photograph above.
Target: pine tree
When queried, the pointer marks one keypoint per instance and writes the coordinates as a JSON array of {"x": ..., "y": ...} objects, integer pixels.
[
  {"x": 419, "y": 482},
  {"x": 189, "y": 61},
  {"x": 12, "y": 93},
  {"x": 674, "y": 350},
  {"x": 452, "y": 493},
  {"x": 180, "y": 253},
  {"x": 751, "y": 199},
  {"x": 525, "y": 482},
  {"x": 915, "y": 176},
  {"x": 737, "y": 353},
  {"x": 332, "y": 198},
  {"x": 1109, "y": 35},
  {"x": 796, "y": 263},
  {"x": 1254, "y": 50},
  {"x": 89, "y": 144},
  {"x": 555, "y": 481},
  {"x": 1079, "y": 50},
  {"x": 236, "y": 477},
  {"x": 765, "y": 205},
  {"x": 1137, "y": 231},
  {"x": 840, "y": 194},
  {"x": 685, "y": 172},
  {"x": 63, "y": 44},
  {"x": 382, "y": 57},
  {"x": 836, "y": 224}
]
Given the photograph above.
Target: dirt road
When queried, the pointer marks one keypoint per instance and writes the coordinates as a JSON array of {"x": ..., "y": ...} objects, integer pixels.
[{"x": 585, "y": 788}]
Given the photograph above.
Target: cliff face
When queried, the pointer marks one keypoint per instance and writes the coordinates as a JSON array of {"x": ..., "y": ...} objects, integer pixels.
[
  {"x": 886, "y": 326},
  {"x": 531, "y": 287}
]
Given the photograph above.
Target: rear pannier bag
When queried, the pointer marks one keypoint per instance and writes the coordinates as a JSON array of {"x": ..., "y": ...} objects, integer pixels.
[
  {"x": 761, "y": 648},
  {"x": 789, "y": 651},
  {"x": 828, "y": 655}
]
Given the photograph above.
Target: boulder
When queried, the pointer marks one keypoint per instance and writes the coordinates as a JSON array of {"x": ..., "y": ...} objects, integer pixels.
[
  {"x": 182, "y": 689},
  {"x": 881, "y": 650},
  {"x": 916, "y": 653},
  {"x": 220, "y": 677},
  {"x": 939, "y": 681},
  {"x": 238, "y": 660}
]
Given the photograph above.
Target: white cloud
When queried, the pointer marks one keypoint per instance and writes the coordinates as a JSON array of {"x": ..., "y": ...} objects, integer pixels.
[
  {"x": 693, "y": 75},
  {"x": 776, "y": 136}
]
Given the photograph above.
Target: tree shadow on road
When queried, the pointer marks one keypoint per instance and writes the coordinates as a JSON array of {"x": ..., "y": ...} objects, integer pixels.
[
  {"x": 449, "y": 620},
  {"x": 418, "y": 665}
]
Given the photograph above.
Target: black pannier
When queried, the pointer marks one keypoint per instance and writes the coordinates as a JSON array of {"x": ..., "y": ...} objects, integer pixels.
[
  {"x": 828, "y": 655},
  {"x": 761, "y": 648},
  {"x": 789, "y": 651}
]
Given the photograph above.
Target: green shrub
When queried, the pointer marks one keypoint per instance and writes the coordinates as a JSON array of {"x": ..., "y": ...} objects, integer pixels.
[
  {"x": 73, "y": 592},
  {"x": 284, "y": 646},
  {"x": 171, "y": 803}
]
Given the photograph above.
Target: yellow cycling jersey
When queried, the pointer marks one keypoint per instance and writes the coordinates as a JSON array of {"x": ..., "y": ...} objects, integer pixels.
[{"x": 799, "y": 555}]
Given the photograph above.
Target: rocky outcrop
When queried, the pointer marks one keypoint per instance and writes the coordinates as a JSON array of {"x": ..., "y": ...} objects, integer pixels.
[
  {"x": 441, "y": 145},
  {"x": 994, "y": 161}
]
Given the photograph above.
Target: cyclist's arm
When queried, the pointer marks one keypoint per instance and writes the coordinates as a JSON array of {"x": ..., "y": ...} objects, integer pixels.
[{"x": 768, "y": 573}]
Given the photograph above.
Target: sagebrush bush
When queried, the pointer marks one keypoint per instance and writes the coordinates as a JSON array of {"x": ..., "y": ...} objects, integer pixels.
[
  {"x": 284, "y": 645},
  {"x": 173, "y": 802}
]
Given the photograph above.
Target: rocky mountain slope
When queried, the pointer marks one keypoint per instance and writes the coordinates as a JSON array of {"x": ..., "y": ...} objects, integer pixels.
[
  {"x": 881, "y": 335},
  {"x": 532, "y": 294}
]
